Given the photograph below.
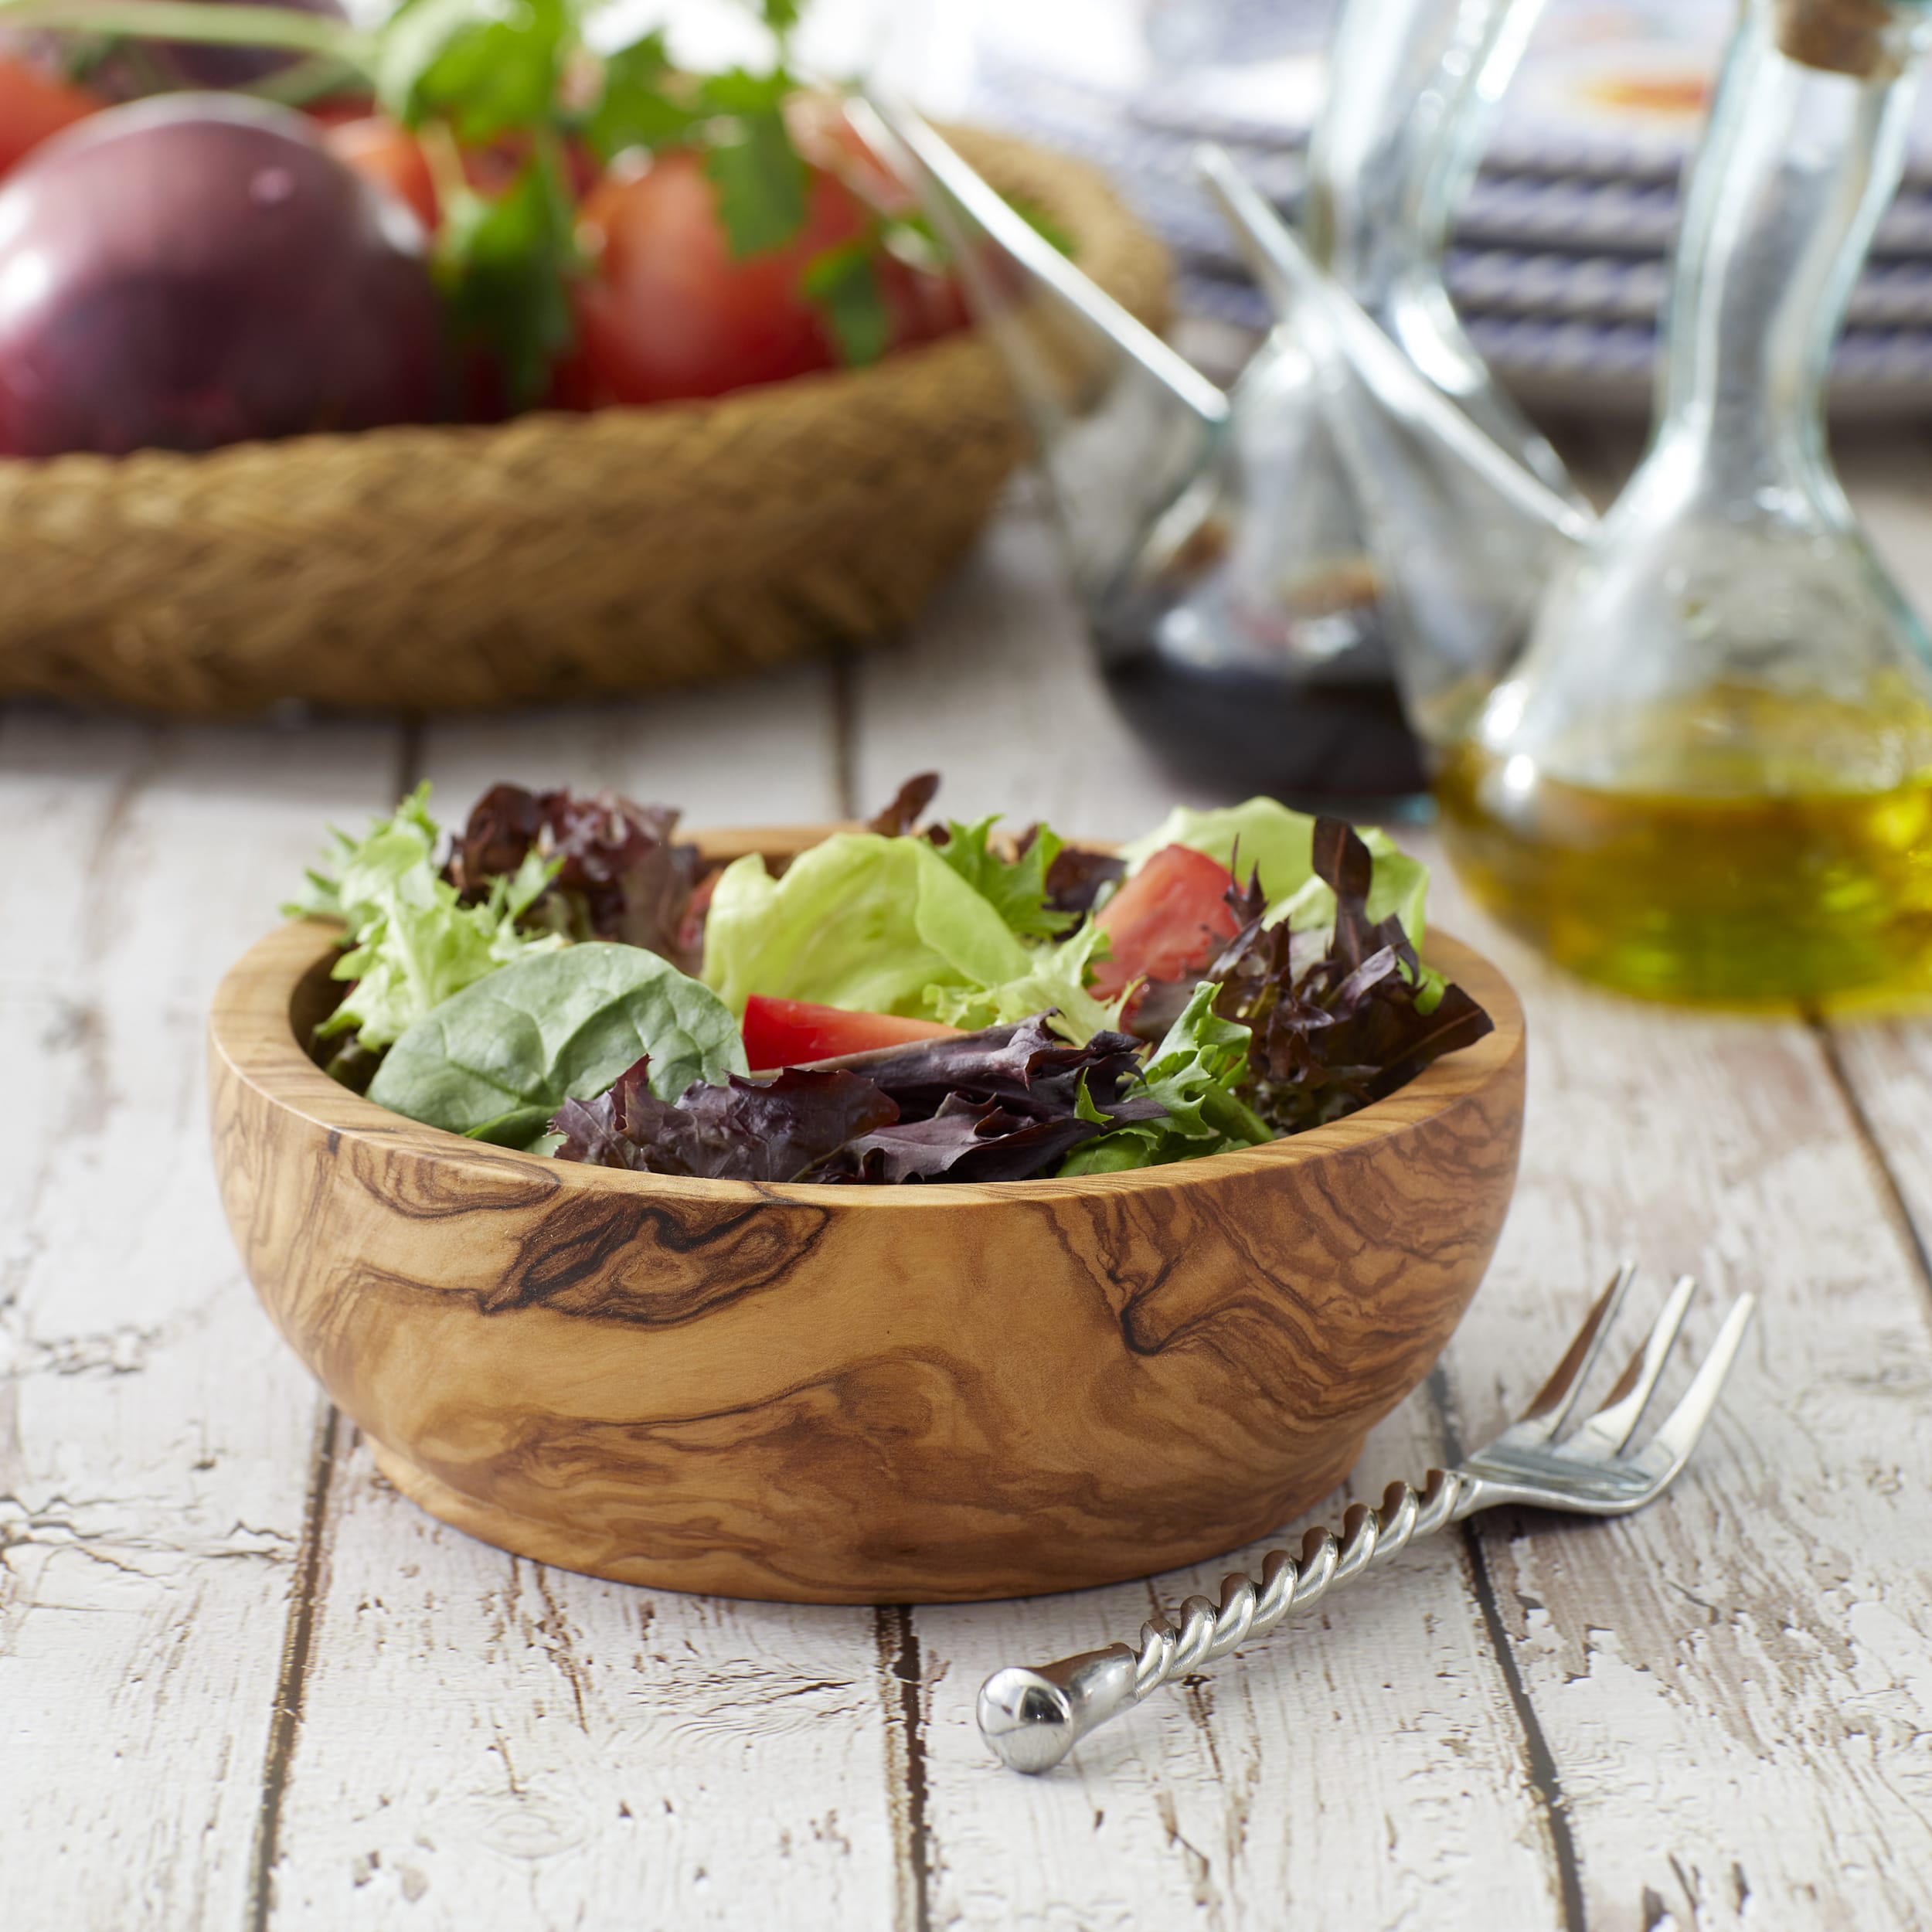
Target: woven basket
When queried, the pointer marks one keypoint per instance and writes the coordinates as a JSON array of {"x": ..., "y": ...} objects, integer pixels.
[{"x": 554, "y": 556}]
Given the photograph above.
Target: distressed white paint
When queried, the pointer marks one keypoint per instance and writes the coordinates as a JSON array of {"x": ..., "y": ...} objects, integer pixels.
[
  {"x": 499, "y": 1744},
  {"x": 1375, "y": 1766},
  {"x": 1362, "y": 1766},
  {"x": 154, "y": 1433},
  {"x": 1738, "y": 1682},
  {"x": 1736, "y": 1685},
  {"x": 758, "y": 751}
]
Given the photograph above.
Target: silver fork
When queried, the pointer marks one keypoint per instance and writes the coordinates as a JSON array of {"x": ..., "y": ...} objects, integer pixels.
[{"x": 1032, "y": 1718}]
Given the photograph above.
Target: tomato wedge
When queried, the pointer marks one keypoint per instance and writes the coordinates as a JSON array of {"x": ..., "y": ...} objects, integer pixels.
[
  {"x": 790, "y": 1032},
  {"x": 1169, "y": 920}
]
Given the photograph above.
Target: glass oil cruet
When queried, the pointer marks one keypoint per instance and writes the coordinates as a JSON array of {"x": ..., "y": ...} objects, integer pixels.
[
  {"x": 1710, "y": 777},
  {"x": 1413, "y": 88},
  {"x": 1242, "y": 620}
]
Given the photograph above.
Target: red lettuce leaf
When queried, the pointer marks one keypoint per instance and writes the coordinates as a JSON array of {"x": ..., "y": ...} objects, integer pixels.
[
  {"x": 742, "y": 1131},
  {"x": 621, "y": 877},
  {"x": 1347, "y": 1027},
  {"x": 1025, "y": 1067},
  {"x": 967, "y": 1140},
  {"x": 908, "y": 806},
  {"x": 1001, "y": 1105},
  {"x": 1074, "y": 879}
]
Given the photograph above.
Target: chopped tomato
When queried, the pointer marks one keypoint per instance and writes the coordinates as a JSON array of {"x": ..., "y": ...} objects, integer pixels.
[
  {"x": 1169, "y": 920},
  {"x": 33, "y": 106},
  {"x": 791, "y": 1033}
]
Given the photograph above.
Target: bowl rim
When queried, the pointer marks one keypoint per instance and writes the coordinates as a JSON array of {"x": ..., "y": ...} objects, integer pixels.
[{"x": 250, "y": 1030}]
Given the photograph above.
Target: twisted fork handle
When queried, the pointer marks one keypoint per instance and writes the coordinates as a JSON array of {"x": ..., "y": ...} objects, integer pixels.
[{"x": 1033, "y": 1718}]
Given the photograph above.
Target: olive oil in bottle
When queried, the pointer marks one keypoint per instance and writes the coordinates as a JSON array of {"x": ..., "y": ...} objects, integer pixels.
[
  {"x": 1710, "y": 776},
  {"x": 1739, "y": 897}
]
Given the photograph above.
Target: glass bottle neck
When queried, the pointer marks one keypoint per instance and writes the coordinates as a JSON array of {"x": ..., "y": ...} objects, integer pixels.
[
  {"x": 1797, "y": 165},
  {"x": 1413, "y": 87}
]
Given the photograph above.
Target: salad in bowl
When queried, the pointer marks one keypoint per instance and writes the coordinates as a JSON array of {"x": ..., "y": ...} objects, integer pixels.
[
  {"x": 915, "y": 1000},
  {"x": 877, "y": 1213}
]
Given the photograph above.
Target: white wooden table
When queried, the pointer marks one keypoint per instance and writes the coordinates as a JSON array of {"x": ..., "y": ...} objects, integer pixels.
[{"x": 243, "y": 1685}]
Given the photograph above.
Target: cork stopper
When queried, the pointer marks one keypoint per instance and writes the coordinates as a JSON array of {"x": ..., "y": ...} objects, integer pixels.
[{"x": 1860, "y": 37}]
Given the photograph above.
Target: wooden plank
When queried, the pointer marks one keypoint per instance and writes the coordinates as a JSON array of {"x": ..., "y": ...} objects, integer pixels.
[
  {"x": 1368, "y": 1767},
  {"x": 1363, "y": 1766},
  {"x": 761, "y": 752},
  {"x": 508, "y": 1744},
  {"x": 1887, "y": 1068},
  {"x": 1734, "y": 1687},
  {"x": 155, "y": 1436}
]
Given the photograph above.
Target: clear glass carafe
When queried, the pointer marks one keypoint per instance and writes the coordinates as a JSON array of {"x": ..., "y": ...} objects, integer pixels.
[
  {"x": 1710, "y": 777},
  {"x": 1267, "y": 653},
  {"x": 1414, "y": 85},
  {"x": 1241, "y": 619}
]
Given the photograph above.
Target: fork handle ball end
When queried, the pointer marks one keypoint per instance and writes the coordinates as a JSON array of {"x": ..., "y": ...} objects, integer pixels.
[{"x": 1033, "y": 1718}]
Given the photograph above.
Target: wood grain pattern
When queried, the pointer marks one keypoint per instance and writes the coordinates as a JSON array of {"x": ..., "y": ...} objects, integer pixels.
[
  {"x": 1715, "y": 1715},
  {"x": 853, "y": 1395},
  {"x": 487, "y": 1743}
]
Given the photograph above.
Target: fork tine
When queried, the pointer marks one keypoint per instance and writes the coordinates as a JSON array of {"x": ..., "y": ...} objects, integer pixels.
[
  {"x": 1669, "y": 1449},
  {"x": 1558, "y": 1396},
  {"x": 1606, "y": 1431}
]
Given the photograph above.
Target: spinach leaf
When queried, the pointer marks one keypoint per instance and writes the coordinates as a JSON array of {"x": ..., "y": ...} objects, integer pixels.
[{"x": 496, "y": 1060}]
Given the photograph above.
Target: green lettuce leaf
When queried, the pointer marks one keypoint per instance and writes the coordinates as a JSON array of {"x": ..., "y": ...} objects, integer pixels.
[
  {"x": 860, "y": 921},
  {"x": 496, "y": 1060},
  {"x": 1193, "y": 1073},
  {"x": 411, "y": 943},
  {"x": 1055, "y": 981},
  {"x": 1016, "y": 888},
  {"x": 1279, "y": 843}
]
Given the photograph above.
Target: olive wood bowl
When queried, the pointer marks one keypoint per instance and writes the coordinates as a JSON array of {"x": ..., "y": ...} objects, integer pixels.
[{"x": 853, "y": 1394}]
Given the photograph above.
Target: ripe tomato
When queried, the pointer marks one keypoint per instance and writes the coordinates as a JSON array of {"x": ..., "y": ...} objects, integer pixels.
[
  {"x": 791, "y": 1033},
  {"x": 391, "y": 157},
  {"x": 1169, "y": 920},
  {"x": 33, "y": 107},
  {"x": 667, "y": 311}
]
